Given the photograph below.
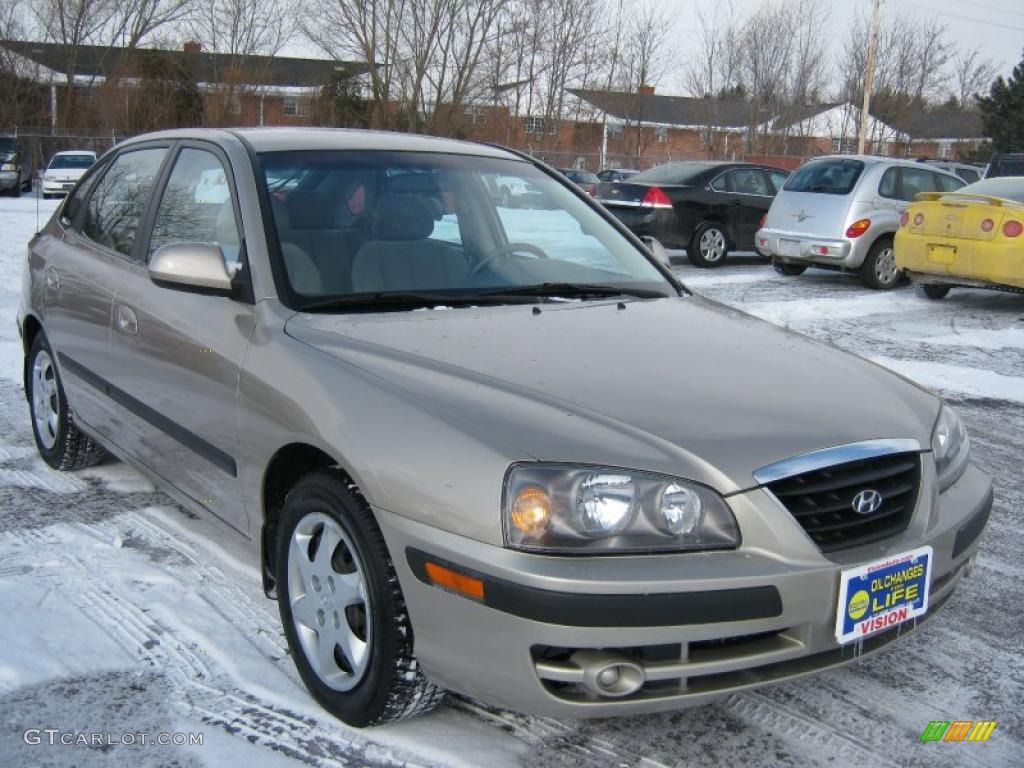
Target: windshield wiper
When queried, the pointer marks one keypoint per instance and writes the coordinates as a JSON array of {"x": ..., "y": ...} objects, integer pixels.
[
  {"x": 398, "y": 300},
  {"x": 574, "y": 291}
]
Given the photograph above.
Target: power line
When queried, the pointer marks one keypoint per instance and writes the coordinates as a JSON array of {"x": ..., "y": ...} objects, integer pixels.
[
  {"x": 991, "y": 8},
  {"x": 957, "y": 16}
]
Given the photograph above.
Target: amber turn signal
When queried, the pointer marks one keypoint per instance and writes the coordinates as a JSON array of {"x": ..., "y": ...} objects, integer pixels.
[
  {"x": 531, "y": 510},
  {"x": 455, "y": 581}
]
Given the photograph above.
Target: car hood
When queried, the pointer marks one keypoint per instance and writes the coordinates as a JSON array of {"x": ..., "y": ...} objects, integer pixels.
[{"x": 677, "y": 385}]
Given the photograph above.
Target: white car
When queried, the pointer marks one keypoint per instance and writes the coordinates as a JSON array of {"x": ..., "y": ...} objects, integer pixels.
[{"x": 64, "y": 171}]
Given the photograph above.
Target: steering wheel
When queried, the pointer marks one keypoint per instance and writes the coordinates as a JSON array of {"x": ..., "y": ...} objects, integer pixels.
[{"x": 506, "y": 250}]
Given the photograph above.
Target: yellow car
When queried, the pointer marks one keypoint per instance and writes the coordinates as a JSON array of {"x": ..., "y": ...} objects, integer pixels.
[{"x": 972, "y": 237}]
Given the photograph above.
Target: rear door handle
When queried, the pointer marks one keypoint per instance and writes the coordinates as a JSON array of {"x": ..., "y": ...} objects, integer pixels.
[
  {"x": 52, "y": 278},
  {"x": 126, "y": 320}
]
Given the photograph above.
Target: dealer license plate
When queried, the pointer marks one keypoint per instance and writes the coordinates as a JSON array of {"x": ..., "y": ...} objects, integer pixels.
[
  {"x": 882, "y": 594},
  {"x": 789, "y": 247}
]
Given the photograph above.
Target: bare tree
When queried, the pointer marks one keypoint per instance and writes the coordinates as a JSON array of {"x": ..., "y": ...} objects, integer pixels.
[
  {"x": 136, "y": 21},
  {"x": 242, "y": 27},
  {"x": 972, "y": 75}
]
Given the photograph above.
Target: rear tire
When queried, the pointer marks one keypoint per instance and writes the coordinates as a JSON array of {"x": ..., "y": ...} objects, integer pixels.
[
  {"x": 933, "y": 291},
  {"x": 790, "y": 270},
  {"x": 16, "y": 191},
  {"x": 58, "y": 440},
  {"x": 354, "y": 647},
  {"x": 709, "y": 246},
  {"x": 879, "y": 270}
]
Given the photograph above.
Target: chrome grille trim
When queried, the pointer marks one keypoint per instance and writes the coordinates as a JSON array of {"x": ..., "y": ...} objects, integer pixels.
[{"x": 827, "y": 457}]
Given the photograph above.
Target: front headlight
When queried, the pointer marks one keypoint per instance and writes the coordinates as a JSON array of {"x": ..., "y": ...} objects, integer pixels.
[
  {"x": 8, "y": 167},
  {"x": 585, "y": 509},
  {"x": 951, "y": 447}
]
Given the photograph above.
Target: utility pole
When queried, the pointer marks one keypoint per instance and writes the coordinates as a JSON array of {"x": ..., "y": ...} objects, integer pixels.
[{"x": 869, "y": 76}]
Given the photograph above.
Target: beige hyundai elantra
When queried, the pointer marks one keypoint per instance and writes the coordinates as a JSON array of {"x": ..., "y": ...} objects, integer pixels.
[{"x": 479, "y": 442}]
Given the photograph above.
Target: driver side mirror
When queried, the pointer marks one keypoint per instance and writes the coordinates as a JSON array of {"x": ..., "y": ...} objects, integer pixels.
[
  {"x": 656, "y": 248},
  {"x": 195, "y": 267}
]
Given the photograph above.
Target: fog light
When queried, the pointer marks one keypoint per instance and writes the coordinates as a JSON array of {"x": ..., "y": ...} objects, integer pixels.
[{"x": 531, "y": 510}]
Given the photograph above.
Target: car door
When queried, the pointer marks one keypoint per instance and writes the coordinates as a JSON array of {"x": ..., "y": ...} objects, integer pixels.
[
  {"x": 177, "y": 354},
  {"x": 749, "y": 195},
  {"x": 83, "y": 268}
]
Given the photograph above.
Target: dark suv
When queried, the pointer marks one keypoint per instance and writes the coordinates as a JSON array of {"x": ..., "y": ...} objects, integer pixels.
[
  {"x": 1005, "y": 164},
  {"x": 15, "y": 173}
]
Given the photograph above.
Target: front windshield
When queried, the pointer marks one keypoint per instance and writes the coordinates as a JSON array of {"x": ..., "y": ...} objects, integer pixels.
[
  {"x": 76, "y": 162},
  {"x": 356, "y": 224}
]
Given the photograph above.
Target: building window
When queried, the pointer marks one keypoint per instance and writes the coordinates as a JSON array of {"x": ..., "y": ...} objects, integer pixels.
[
  {"x": 533, "y": 124},
  {"x": 614, "y": 129},
  {"x": 475, "y": 116},
  {"x": 945, "y": 150},
  {"x": 235, "y": 103},
  {"x": 844, "y": 146},
  {"x": 661, "y": 134},
  {"x": 295, "y": 106}
]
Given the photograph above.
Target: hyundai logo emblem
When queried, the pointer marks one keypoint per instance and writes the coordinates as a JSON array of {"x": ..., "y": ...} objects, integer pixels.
[{"x": 866, "y": 502}]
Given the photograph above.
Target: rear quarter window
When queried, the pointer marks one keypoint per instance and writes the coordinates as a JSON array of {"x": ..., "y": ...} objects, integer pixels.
[{"x": 827, "y": 177}]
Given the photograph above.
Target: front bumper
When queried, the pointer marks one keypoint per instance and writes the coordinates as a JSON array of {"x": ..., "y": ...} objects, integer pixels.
[
  {"x": 696, "y": 626},
  {"x": 57, "y": 187},
  {"x": 9, "y": 180},
  {"x": 799, "y": 248}
]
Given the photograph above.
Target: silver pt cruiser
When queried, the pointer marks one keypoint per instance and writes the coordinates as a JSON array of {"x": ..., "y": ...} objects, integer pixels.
[{"x": 483, "y": 446}]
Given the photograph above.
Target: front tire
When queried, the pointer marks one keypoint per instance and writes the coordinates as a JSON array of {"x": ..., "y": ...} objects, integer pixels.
[
  {"x": 709, "y": 246},
  {"x": 342, "y": 607},
  {"x": 58, "y": 440},
  {"x": 933, "y": 291},
  {"x": 790, "y": 270},
  {"x": 879, "y": 270}
]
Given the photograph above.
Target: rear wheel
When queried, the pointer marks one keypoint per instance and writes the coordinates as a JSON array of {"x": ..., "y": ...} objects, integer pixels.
[
  {"x": 879, "y": 270},
  {"x": 342, "y": 607},
  {"x": 709, "y": 246},
  {"x": 790, "y": 270},
  {"x": 933, "y": 291},
  {"x": 17, "y": 189},
  {"x": 58, "y": 440}
]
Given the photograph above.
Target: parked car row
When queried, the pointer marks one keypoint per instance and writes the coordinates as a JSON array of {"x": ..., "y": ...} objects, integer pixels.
[{"x": 60, "y": 175}]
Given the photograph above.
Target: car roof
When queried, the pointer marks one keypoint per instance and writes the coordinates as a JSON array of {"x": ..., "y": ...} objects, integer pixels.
[
  {"x": 75, "y": 152},
  {"x": 291, "y": 139}
]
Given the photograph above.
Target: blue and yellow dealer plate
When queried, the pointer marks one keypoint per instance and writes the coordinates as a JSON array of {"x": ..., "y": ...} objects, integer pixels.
[{"x": 879, "y": 595}]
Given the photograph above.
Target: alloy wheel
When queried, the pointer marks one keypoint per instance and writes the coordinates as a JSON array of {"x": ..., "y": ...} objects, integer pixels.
[
  {"x": 329, "y": 601},
  {"x": 712, "y": 245},
  {"x": 885, "y": 266},
  {"x": 45, "y": 399}
]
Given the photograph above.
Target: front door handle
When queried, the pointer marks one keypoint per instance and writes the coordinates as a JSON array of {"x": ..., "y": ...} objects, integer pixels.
[
  {"x": 126, "y": 320},
  {"x": 52, "y": 278}
]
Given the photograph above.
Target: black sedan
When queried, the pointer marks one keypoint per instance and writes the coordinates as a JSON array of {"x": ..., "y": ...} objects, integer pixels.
[{"x": 708, "y": 208}]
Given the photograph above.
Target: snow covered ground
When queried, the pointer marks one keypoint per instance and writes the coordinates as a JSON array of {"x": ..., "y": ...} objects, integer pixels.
[{"x": 121, "y": 613}]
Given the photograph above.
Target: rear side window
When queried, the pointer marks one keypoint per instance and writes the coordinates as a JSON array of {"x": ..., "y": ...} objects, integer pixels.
[
  {"x": 1011, "y": 165},
  {"x": 828, "y": 176},
  {"x": 967, "y": 174},
  {"x": 747, "y": 181},
  {"x": 76, "y": 199},
  {"x": 778, "y": 179},
  {"x": 948, "y": 183},
  {"x": 196, "y": 206},
  {"x": 914, "y": 181},
  {"x": 115, "y": 206}
]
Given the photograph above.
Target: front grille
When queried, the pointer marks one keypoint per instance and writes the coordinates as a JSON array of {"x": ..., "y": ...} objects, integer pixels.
[{"x": 822, "y": 500}]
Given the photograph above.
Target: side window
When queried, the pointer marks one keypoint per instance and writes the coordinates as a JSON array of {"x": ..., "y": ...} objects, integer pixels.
[
  {"x": 967, "y": 174},
  {"x": 196, "y": 206},
  {"x": 719, "y": 184},
  {"x": 947, "y": 183},
  {"x": 889, "y": 184},
  {"x": 113, "y": 211},
  {"x": 778, "y": 179},
  {"x": 747, "y": 181},
  {"x": 915, "y": 180},
  {"x": 74, "y": 202}
]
